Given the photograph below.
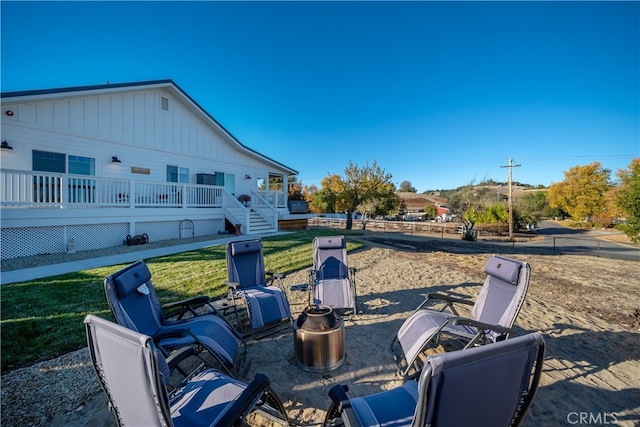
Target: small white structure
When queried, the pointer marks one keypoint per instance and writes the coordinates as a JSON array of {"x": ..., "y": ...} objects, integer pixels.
[{"x": 87, "y": 166}]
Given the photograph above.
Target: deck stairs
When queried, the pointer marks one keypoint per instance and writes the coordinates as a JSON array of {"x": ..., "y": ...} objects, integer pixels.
[{"x": 256, "y": 217}]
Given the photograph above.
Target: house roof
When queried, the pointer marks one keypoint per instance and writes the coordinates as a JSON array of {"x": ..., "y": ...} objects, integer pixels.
[{"x": 167, "y": 83}]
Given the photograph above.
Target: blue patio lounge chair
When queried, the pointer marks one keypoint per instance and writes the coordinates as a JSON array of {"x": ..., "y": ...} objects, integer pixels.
[
  {"x": 267, "y": 305},
  {"x": 135, "y": 305},
  {"x": 492, "y": 315},
  {"x": 490, "y": 386},
  {"x": 134, "y": 376},
  {"x": 333, "y": 282}
]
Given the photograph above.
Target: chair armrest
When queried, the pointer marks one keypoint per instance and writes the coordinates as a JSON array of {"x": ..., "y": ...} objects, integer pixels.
[
  {"x": 338, "y": 394},
  {"x": 175, "y": 333},
  {"x": 449, "y": 298},
  {"x": 481, "y": 325},
  {"x": 232, "y": 285},
  {"x": 178, "y": 309},
  {"x": 196, "y": 301},
  {"x": 180, "y": 355},
  {"x": 274, "y": 276},
  {"x": 448, "y": 301},
  {"x": 245, "y": 401}
]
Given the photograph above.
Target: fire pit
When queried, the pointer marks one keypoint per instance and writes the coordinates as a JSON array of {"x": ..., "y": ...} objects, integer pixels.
[{"x": 318, "y": 339}]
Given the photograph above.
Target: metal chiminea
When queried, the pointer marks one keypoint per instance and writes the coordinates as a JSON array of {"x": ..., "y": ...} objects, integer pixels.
[{"x": 318, "y": 339}]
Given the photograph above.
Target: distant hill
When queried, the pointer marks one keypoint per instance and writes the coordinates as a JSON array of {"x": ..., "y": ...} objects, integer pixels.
[{"x": 421, "y": 200}]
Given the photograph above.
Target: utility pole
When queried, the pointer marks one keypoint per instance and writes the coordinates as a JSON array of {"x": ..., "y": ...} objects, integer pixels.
[{"x": 510, "y": 166}]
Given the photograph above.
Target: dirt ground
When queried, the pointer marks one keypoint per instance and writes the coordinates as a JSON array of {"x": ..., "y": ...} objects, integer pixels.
[
  {"x": 579, "y": 284},
  {"x": 588, "y": 309}
]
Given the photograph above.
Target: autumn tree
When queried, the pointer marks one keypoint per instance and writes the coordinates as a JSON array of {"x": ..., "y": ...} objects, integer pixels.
[
  {"x": 582, "y": 193},
  {"x": 628, "y": 198},
  {"x": 358, "y": 186},
  {"x": 610, "y": 210},
  {"x": 313, "y": 197},
  {"x": 295, "y": 189}
]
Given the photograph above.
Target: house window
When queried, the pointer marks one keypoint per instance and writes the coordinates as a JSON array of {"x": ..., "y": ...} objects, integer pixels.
[
  {"x": 183, "y": 175},
  {"x": 230, "y": 183},
  {"x": 219, "y": 178},
  {"x": 47, "y": 189},
  {"x": 82, "y": 165},
  {"x": 46, "y": 161},
  {"x": 177, "y": 174}
]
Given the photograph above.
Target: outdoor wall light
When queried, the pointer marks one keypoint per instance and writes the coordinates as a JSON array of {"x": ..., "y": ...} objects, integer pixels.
[
  {"x": 115, "y": 159},
  {"x": 5, "y": 145},
  {"x": 9, "y": 113},
  {"x": 247, "y": 177}
]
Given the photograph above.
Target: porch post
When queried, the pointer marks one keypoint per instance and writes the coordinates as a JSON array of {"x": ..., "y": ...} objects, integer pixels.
[
  {"x": 133, "y": 195},
  {"x": 285, "y": 189},
  {"x": 64, "y": 191},
  {"x": 266, "y": 188}
]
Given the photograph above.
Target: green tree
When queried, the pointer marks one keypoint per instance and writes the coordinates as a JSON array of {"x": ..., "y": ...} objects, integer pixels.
[
  {"x": 628, "y": 198},
  {"x": 405, "y": 186},
  {"x": 494, "y": 214},
  {"x": 325, "y": 198},
  {"x": 531, "y": 207},
  {"x": 582, "y": 192},
  {"x": 469, "y": 220},
  {"x": 430, "y": 211},
  {"x": 387, "y": 205},
  {"x": 358, "y": 186},
  {"x": 402, "y": 208}
]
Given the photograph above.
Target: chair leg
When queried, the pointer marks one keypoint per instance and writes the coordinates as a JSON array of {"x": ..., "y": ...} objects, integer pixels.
[
  {"x": 332, "y": 419},
  {"x": 272, "y": 407},
  {"x": 232, "y": 297}
]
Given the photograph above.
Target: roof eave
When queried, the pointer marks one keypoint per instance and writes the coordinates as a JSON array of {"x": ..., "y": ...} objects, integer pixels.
[{"x": 41, "y": 94}]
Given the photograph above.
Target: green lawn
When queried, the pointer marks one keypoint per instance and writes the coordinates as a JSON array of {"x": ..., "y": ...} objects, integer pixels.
[{"x": 43, "y": 318}]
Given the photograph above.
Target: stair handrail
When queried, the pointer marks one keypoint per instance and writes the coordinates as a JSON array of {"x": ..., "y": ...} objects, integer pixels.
[
  {"x": 236, "y": 212},
  {"x": 266, "y": 210}
]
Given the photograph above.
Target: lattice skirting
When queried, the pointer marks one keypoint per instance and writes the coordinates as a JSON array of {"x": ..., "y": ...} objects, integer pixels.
[{"x": 29, "y": 241}]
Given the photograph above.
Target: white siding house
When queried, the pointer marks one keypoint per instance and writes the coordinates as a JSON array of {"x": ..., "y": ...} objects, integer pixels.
[{"x": 84, "y": 167}]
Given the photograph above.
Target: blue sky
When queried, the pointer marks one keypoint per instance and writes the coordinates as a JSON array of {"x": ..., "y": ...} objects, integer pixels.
[{"x": 441, "y": 94}]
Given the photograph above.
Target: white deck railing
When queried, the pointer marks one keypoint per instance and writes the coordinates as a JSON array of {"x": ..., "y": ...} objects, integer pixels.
[
  {"x": 277, "y": 199},
  {"x": 24, "y": 189}
]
